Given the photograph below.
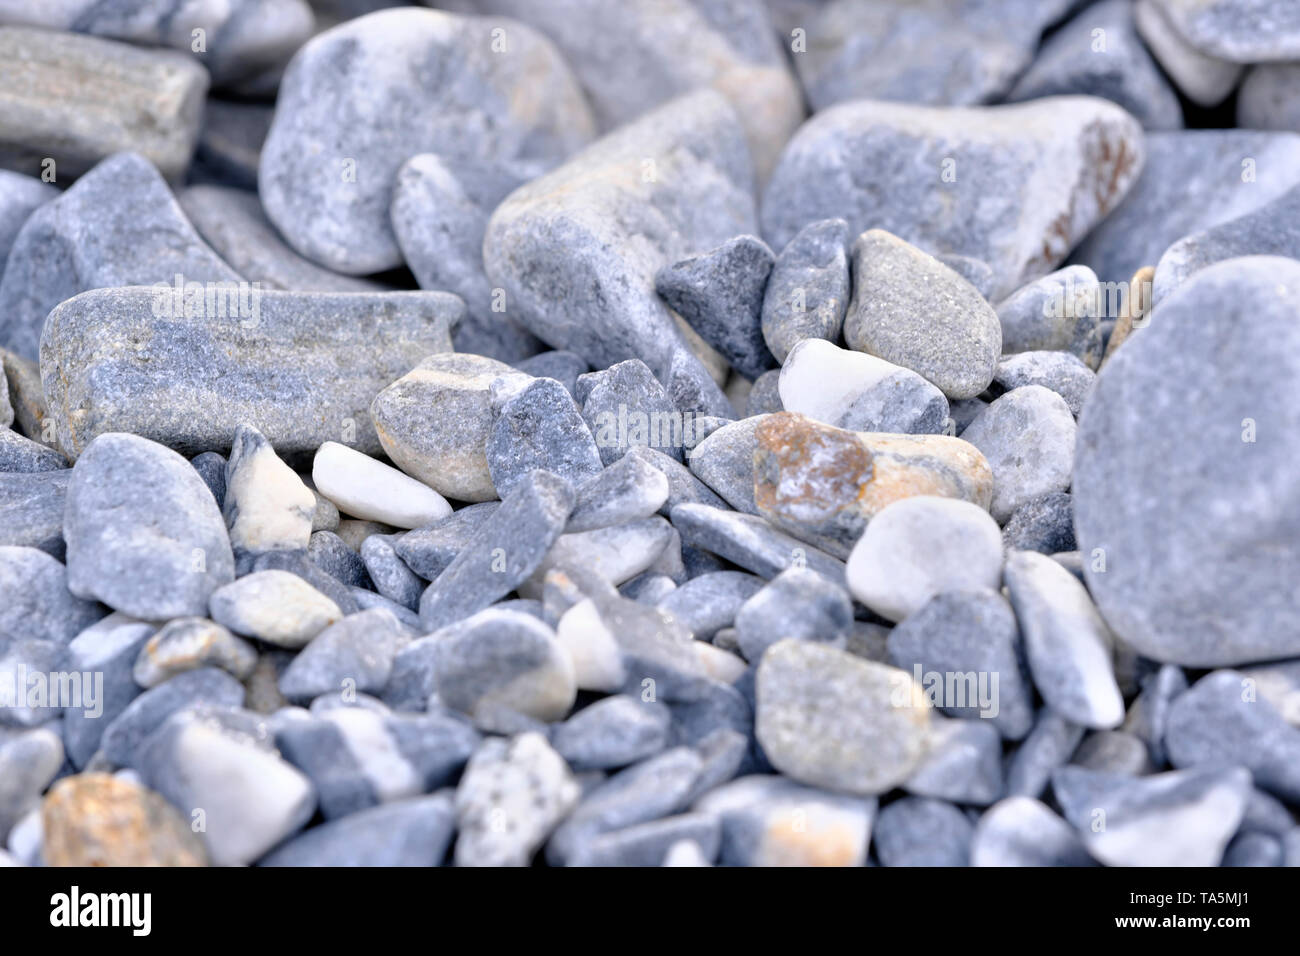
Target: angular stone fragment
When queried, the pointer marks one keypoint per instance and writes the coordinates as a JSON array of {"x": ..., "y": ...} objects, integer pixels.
[
  {"x": 266, "y": 505},
  {"x": 118, "y": 225},
  {"x": 333, "y": 150},
  {"x": 626, "y": 407},
  {"x": 19, "y": 455},
  {"x": 1024, "y": 182},
  {"x": 825, "y": 484},
  {"x": 797, "y": 604},
  {"x": 912, "y": 310},
  {"x": 31, "y": 510},
  {"x": 503, "y": 551},
  {"x": 144, "y": 534},
  {"x": 832, "y": 720},
  {"x": 77, "y": 99},
  {"x": 750, "y": 542},
  {"x": 628, "y": 490},
  {"x": 93, "y": 819},
  {"x": 808, "y": 289},
  {"x": 20, "y": 196},
  {"x": 1061, "y": 372},
  {"x": 720, "y": 294},
  {"x": 133, "y": 727},
  {"x": 963, "y": 765},
  {"x": 536, "y": 425},
  {"x": 1196, "y": 527},
  {"x": 355, "y": 653},
  {"x": 389, "y": 574},
  {"x": 305, "y": 368},
  {"x": 576, "y": 250},
  {"x": 427, "y": 551}
]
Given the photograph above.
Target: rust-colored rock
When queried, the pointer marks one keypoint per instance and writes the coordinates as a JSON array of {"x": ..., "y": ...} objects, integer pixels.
[
  {"x": 823, "y": 484},
  {"x": 95, "y": 819}
]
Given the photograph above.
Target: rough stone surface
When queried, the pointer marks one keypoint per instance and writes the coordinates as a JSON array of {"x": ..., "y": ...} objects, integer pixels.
[
  {"x": 1212, "y": 591},
  {"x": 1028, "y": 184}
]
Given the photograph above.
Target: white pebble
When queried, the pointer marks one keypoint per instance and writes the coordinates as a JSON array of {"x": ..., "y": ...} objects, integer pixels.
[{"x": 365, "y": 488}]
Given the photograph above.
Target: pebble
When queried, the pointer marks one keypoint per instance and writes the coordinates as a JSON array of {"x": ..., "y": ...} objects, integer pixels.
[
  {"x": 750, "y": 542},
  {"x": 1060, "y": 372},
  {"x": 109, "y": 647},
  {"x": 650, "y": 790},
  {"x": 629, "y": 490},
  {"x": 507, "y": 660},
  {"x": 536, "y": 424},
  {"x": 1204, "y": 163},
  {"x": 118, "y": 225},
  {"x": 512, "y": 795},
  {"x": 144, "y": 534},
  {"x": 683, "y": 486},
  {"x": 1241, "y": 31},
  {"x": 648, "y": 844},
  {"x": 35, "y": 602},
  {"x": 389, "y": 574},
  {"x": 265, "y": 504},
  {"x": 1129, "y": 821},
  {"x": 1254, "y": 849},
  {"x": 1205, "y": 80},
  {"x": 1058, "y": 312},
  {"x": 1203, "y": 593},
  {"x": 613, "y": 732},
  {"x": 1114, "y": 751},
  {"x": 133, "y": 728},
  {"x": 797, "y": 604},
  {"x": 1049, "y": 745},
  {"x": 917, "y": 831},
  {"x": 824, "y": 485},
  {"x": 968, "y": 641},
  {"x": 720, "y": 294},
  {"x": 232, "y": 221},
  {"x": 368, "y": 489},
  {"x": 1044, "y": 524},
  {"x": 22, "y": 455},
  {"x": 593, "y": 292},
  {"x": 764, "y": 398},
  {"x": 334, "y": 150},
  {"x": 95, "y": 819},
  {"x": 274, "y": 606},
  {"x": 1067, "y": 643},
  {"x": 1000, "y": 203},
  {"x": 352, "y": 655},
  {"x": 724, "y": 461},
  {"x": 503, "y": 551},
  {"x": 296, "y": 563},
  {"x": 1148, "y": 715},
  {"x": 774, "y": 821},
  {"x": 564, "y": 367},
  {"x": 1266, "y": 99},
  {"x": 912, "y": 310},
  {"x": 302, "y": 387},
  {"x": 20, "y": 196},
  {"x": 730, "y": 47},
  {"x": 58, "y": 106},
  {"x": 427, "y": 551},
  {"x": 1221, "y": 722},
  {"x": 708, "y": 603},
  {"x": 29, "y": 761},
  {"x": 626, "y": 407},
  {"x": 332, "y": 555},
  {"x": 1021, "y": 831},
  {"x": 1027, "y": 436},
  {"x": 858, "y": 392},
  {"x": 808, "y": 289},
  {"x": 211, "y": 467},
  {"x": 828, "y": 719},
  {"x": 963, "y": 764},
  {"x": 616, "y": 554},
  {"x": 438, "y": 222},
  {"x": 920, "y": 546},
  {"x": 359, "y": 757},
  {"x": 189, "y": 643},
  {"x": 249, "y": 798},
  {"x": 1267, "y": 231},
  {"x": 1114, "y": 64},
  {"x": 435, "y": 421},
  {"x": 411, "y": 832}
]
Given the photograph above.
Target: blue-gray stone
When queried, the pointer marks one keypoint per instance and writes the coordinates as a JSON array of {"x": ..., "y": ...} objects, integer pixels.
[
  {"x": 31, "y": 510},
  {"x": 389, "y": 573},
  {"x": 625, "y": 407},
  {"x": 413, "y": 832},
  {"x": 354, "y": 654},
  {"x": 1049, "y": 745},
  {"x": 918, "y": 831},
  {"x": 35, "y": 601},
  {"x": 808, "y": 290},
  {"x": 709, "y": 602},
  {"x": 129, "y": 730},
  {"x": 798, "y": 603},
  {"x": 332, "y": 555},
  {"x": 536, "y": 424},
  {"x": 109, "y": 647},
  {"x": 613, "y": 732},
  {"x": 751, "y": 542}
]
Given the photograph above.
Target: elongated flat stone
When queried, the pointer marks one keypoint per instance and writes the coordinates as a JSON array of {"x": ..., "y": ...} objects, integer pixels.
[
  {"x": 118, "y": 225},
  {"x": 78, "y": 99},
  {"x": 305, "y": 367},
  {"x": 368, "y": 489},
  {"x": 750, "y": 542}
]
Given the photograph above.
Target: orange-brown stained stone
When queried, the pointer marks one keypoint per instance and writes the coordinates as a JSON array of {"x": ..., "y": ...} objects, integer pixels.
[
  {"x": 94, "y": 819},
  {"x": 823, "y": 484}
]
